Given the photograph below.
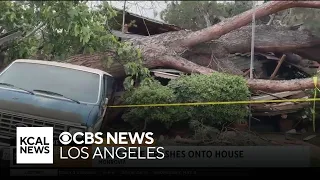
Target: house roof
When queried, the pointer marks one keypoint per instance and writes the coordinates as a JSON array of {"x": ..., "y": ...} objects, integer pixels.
[{"x": 153, "y": 26}]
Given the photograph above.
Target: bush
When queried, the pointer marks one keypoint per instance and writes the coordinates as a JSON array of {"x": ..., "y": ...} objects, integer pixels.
[
  {"x": 212, "y": 88},
  {"x": 151, "y": 92},
  {"x": 193, "y": 88}
]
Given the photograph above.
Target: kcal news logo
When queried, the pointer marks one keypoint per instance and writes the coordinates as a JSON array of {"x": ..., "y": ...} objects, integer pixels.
[{"x": 34, "y": 145}]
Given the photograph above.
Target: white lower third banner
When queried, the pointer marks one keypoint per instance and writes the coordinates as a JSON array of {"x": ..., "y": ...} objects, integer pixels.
[{"x": 207, "y": 156}]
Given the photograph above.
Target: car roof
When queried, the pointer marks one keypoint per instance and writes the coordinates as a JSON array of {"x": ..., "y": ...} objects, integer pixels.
[{"x": 63, "y": 64}]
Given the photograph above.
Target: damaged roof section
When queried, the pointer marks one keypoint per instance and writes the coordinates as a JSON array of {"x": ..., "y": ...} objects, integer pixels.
[
  {"x": 124, "y": 36},
  {"x": 142, "y": 25},
  {"x": 166, "y": 73},
  {"x": 265, "y": 64}
]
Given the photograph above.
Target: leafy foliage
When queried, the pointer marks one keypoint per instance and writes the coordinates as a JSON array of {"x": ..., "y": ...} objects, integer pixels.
[
  {"x": 194, "y": 88},
  {"x": 236, "y": 7},
  {"x": 193, "y": 14},
  {"x": 133, "y": 65},
  {"x": 151, "y": 92},
  {"x": 69, "y": 27},
  {"x": 59, "y": 29},
  {"x": 190, "y": 14}
]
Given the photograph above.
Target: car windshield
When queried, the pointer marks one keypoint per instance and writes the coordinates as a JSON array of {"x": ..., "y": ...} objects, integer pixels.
[{"x": 78, "y": 85}]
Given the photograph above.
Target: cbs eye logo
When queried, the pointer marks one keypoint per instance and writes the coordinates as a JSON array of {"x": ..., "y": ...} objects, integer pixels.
[{"x": 65, "y": 138}]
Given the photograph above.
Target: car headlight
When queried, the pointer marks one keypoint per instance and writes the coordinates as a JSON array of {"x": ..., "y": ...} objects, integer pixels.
[{"x": 73, "y": 130}]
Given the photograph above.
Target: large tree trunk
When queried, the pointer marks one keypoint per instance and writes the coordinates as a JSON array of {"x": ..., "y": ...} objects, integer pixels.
[{"x": 267, "y": 39}]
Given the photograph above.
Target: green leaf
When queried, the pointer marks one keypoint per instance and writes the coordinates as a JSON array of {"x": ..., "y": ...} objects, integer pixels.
[
  {"x": 76, "y": 30},
  {"x": 91, "y": 50},
  {"x": 12, "y": 16},
  {"x": 86, "y": 38},
  {"x": 72, "y": 13}
]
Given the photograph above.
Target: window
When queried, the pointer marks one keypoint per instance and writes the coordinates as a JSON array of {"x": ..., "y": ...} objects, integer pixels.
[
  {"x": 79, "y": 85},
  {"x": 108, "y": 85}
]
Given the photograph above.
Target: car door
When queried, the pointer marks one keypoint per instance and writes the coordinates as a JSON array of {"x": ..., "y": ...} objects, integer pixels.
[{"x": 106, "y": 90}]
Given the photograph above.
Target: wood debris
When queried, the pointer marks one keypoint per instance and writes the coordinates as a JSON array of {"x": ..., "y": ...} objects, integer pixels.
[
  {"x": 309, "y": 137},
  {"x": 273, "y": 109}
]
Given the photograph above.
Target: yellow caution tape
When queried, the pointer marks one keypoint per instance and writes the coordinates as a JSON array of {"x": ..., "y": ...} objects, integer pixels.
[
  {"x": 217, "y": 103},
  {"x": 315, "y": 82},
  {"x": 314, "y": 99}
]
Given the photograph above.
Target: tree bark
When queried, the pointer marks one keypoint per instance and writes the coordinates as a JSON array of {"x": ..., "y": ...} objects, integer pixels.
[
  {"x": 100, "y": 61},
  {"x": 268, "y": 39},
  {"x": 281, "y": 85},
  {"x": 181, "y": 64}
]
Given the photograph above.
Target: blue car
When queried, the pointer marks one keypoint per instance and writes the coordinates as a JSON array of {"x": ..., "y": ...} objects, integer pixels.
[{"x": 36, "y": 93}]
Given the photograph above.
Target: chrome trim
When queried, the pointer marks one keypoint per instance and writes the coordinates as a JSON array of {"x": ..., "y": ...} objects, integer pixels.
[
  {"x": 14, "y": 89},
  {"x": 8, "y": 121},
  {"x": 43, "y": 118},
  {"x": 99, "y": 95}
]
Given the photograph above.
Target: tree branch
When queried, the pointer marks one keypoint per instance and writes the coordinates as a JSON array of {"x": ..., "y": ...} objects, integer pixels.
[
  {"x": 23, "y": 38},
  {"x": 10, "y": 32},
  {"x": 10, "y": 37},
  {"x": 1, "y": 29},
  {"x": 224, "y": 27},
  {"x": 277, "y": 67},
  {"x": 33, "y": 31},
  {"x": 271, "y": 19},
  {"x": 123, "y": 16},
  {"x": 281, "y": 85},
  {"x": 206, "y": 18},
  {"x": 179, "y": 63}
]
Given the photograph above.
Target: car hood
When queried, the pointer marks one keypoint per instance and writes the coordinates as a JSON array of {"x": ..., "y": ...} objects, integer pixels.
[{"x": 43, "y": 106}]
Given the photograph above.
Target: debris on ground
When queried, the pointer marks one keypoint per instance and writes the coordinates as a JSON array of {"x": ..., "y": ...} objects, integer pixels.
[
  {"x": 309, "y": 137},
  {"x": 292, "y": 131},
  {"x": 226, "y": 138}
]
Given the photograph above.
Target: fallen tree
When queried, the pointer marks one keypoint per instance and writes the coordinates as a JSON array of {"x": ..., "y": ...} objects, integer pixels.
[{"x": 192, "y": 52}]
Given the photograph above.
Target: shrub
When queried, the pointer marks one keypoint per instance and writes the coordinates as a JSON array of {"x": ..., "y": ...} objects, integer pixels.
[
  {"x": 151, "y": 92},
  {"x": 212, "y": 88},
  {"x": 193, "y": 88}
]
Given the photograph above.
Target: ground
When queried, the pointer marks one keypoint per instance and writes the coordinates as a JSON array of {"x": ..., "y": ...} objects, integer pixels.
[{"x": 294, "y": 140}]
